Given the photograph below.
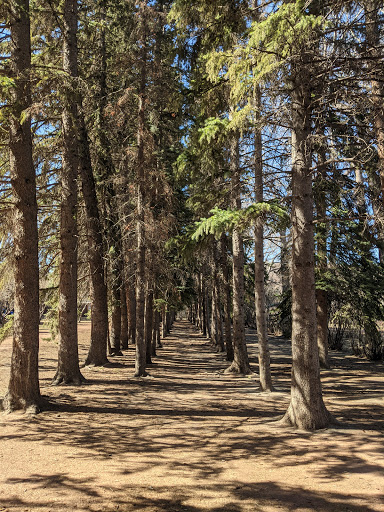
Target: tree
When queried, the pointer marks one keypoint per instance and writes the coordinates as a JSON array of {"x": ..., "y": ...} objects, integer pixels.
[
  {"x": 97, "y": 354},
  {"x": 240, "y": 363},
  {"x": 23, "y": 390},
  {"x": 306, "y": 409},
  {"x": 260, "y": 300},
  {"x": 68, "y": 371},
  {"x": 140, "y": 361}
]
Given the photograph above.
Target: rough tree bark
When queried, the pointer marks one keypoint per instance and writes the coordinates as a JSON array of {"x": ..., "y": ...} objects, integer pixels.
[
  {"x": 115, "y": 332},
  {"x": 124, "y": 318},
  {"x": 214, "y": 338},
  {"x": 157, "y": 331},
  {"x": 227, "y": 299},
  {"x": 240, "y": 363},
  {"x": 216, "y": 307},
  {"x": 306, "y": 409},
  {"x": 372, "y": 8},
  {"x": 207, "y": 316},
  {"x": 203, "y": 307},
  {"x": 68, "y": 371},
  {"x": 265, "y": 377},
  {"x": 23, "y": 390},
  {"x": 149, "y": 322},
  {"x": 141, "y": 247},
  {"x": 164, "y": 321},
  {"x": 322, "y": 259},
  {"x": 97, "y": 354}
]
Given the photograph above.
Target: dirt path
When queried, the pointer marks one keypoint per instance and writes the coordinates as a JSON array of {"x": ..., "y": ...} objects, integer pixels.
[{"x": 190, "y": 439}]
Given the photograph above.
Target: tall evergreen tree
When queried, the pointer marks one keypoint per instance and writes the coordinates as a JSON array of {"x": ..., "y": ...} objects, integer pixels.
[
  {"x": 23, "y": 390},
  {"x": 68, "y": 371}
]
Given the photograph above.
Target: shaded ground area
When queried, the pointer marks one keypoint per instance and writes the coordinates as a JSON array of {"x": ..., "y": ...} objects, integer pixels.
[{"x": 190, "y": 439}]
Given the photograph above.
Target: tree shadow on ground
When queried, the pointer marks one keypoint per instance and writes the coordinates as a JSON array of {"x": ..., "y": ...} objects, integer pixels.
[
  {"x": 190, "y": 420},
  {"x": 239, "y": 497}
]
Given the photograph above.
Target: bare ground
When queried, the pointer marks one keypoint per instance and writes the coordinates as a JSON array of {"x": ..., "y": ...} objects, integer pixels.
[{"x": 190, "y": 439}]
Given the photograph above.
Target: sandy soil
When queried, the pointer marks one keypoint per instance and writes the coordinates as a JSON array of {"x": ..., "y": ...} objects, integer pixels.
[{"x": 190, "y": 439}]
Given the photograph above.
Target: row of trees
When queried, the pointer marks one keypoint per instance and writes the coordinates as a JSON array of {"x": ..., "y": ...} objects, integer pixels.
[{"x": 158, "y": 148}]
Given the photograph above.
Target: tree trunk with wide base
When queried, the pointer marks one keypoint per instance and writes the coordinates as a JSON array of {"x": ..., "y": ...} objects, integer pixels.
[
  {"x": 240, "y": 363},
  {"x": 68, "y": 371},
  {"x": 97, "y": 354},
  {"x": 306, "y": 409},
  {"x": 23, "y": 389}
]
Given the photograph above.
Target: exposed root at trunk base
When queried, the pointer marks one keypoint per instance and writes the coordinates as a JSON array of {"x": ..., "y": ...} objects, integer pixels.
[
  {"x": 87, "y": 364},
  {"x": 266, "y": 389},
  {"x": 95, "y": 362},
  {"x": 63, "y": 379},
  {"x": 116, "y": 353},
  {"x": 111, "y": 364},
  {"x": 141, "y": 374},
  {"x": 307, "y": 421},
  {"x": 236, "y": 369},
  {"x": 11, "y": 404}
]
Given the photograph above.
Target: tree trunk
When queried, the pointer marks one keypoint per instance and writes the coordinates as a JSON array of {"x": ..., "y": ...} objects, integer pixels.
[
  {"x": 97, "y": 354},
  {"x": 207, "y": 316},
  {"x": 260, "y": 302},
  {"x": 240, "y": 363},
  {"x": 140, "y": 230},
  {"x": 23, "y": 389},
  {"x": 68, "y": 371},
  {"x": 124, "y": 319},
  {"x": 372, "y": 8},
  {"x": 168, "y": 322},
  {"x": 322, "y": 259},
  {"x": 213, "y": 314},
  {"x": 155, "y": 329},
  {"x": 140, "y": 290},
  {"x": 306, "y": 409},
  {"x": 219, "y": 342},
  {"x": 322, "y": 327},
  {"x": 131, "y": 308},
  {"x": 219, "y": 320},
  {"x": 203, "y": 307},
  {"x": 149, "y": 323},
  {"x": 199, "y": 302},
  {"x": 115, "y": 265},
  {"x": 164, "y": 321},
  {"x": 116, "y": 307},
  {"x": 227, "y": 300}
]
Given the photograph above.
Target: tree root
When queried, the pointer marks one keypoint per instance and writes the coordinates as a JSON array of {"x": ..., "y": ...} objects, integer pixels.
[
  {"x": 235, "y": 368},
  {"x": 309, "y": 424},
  {"x": 62, "y": 379},
  {"x": 10, "y": 404}
]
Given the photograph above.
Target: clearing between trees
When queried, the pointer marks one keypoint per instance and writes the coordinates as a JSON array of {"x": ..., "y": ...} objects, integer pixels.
[{"x": 189, "y": 438}]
